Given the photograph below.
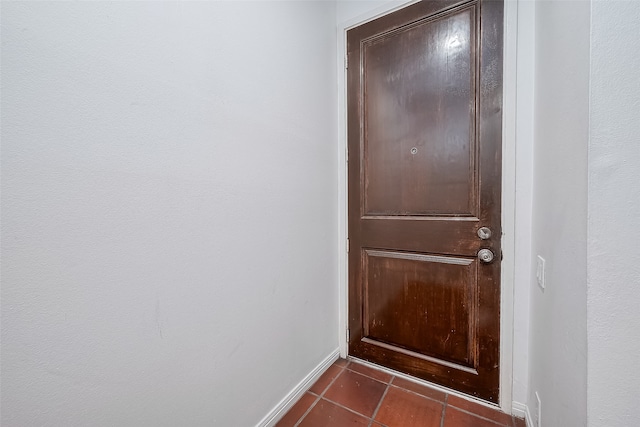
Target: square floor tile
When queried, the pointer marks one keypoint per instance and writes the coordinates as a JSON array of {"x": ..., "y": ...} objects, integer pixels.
[
  {"x": 456, "y": 418},
  {"x": 297, "y": 411},
  {"x": 425, "y": 391},
  {"x": 519, "y": 422},
  {"x": 326, "y": 414},
  {"x": 370, "y": 372},
  {"x": 357, "y": 392},
  {"x": 325, "y": 379},
  {"x": 478, "y": 409},
  {"x": 401, "y": 408},
  {"x": 341, "y": 363}
]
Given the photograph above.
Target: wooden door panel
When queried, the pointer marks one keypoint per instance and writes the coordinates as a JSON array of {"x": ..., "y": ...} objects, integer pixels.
[
  {"x": 408, "y": 301},
  {"x": 424, "y": 111},
  {"x": 425, "y": 235},
  {"x": 419, "y": 83}
]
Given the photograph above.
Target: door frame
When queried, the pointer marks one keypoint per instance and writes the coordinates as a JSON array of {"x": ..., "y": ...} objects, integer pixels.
[{"x": 508, "y": 188}]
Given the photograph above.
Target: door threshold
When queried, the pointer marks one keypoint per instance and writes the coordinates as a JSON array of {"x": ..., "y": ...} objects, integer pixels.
[{"x": 426, "y": 383}]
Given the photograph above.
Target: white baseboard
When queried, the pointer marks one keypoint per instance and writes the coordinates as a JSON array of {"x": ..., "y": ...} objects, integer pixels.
[
  {"x": 292, "y": 397},
  {"x": 521, "y": 410}
]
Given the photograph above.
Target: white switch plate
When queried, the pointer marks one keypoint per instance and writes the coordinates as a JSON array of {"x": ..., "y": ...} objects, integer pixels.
[{"x": 540, "y": 273}]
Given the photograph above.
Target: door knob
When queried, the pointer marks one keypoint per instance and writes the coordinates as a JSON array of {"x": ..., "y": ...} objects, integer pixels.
[
  {"x": 485, "y": 255},
  {"x": 484, "y": 233}
]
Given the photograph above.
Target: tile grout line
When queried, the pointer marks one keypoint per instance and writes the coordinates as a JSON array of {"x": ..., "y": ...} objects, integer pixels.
[
  {"x": 369, "y": 376},
  {"x": 342, "y": 369},
  {"x": 388, "y": 384},
  {"x": 497, "y": 423},
  {"x": 339, "y": 405},
  {"x": 393, "y": 377},
  {"x": 315, "y": 402},
  {"x": 444, "y": 409},
  {"x": 375, "y": 412},
  {"x": 418, "y": 394}
]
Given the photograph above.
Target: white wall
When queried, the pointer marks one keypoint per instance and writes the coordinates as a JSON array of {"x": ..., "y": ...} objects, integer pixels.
[
  {"x": 347, "y": 10},
  {"x": 558, "y": 335},
  {"x": 168, "y": 209},
  {"x": 614, "y": 200}
]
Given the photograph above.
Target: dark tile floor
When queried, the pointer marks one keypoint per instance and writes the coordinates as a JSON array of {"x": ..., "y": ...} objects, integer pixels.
[{"x": 353, "y": 394}]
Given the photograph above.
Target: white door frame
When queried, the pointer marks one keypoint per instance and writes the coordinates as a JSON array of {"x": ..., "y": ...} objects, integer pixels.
[{"x": 508, "y": 188}]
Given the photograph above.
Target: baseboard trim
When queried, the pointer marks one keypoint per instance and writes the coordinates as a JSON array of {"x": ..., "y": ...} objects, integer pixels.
[
  {"x": 292, "y": 397},
  {"x": 521, "y": 410}
]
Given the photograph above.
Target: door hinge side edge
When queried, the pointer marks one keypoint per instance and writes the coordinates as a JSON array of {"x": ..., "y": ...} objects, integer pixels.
[
  {"x": 348, "y": 243},
  {"x": 348, "y": 334}
]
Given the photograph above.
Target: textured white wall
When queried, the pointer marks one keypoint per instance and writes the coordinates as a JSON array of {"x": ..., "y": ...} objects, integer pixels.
[
  {"x": 350, "y": 9},
  {"x": 558, "y": 335},
  {"x": 614, "y": 200},
  {"x": 168, "y": 209}
]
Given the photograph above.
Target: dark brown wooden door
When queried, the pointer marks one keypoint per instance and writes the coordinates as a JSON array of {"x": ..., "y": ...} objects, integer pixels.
[{"x": 424, "y": 139}]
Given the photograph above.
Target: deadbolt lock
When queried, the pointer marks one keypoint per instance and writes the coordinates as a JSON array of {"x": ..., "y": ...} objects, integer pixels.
[{"x": 484, "y": 233}]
